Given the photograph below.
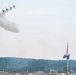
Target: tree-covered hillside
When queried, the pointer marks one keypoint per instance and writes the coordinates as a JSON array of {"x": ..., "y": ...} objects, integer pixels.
[{"x": 32, "y": 65}]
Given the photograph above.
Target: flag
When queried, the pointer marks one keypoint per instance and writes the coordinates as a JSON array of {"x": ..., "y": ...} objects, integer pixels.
[{"x": 67, "y": 55}]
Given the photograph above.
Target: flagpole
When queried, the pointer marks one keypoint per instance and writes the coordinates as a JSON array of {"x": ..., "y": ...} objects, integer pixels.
[
  {"x": 67, "y": 66},
  {"x": 67, "y": 59},
  {"x": 67, "y": 55}
]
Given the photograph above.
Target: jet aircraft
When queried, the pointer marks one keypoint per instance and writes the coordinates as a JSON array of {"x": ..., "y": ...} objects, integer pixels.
[
  {"x": 10, "y": 7},
  {"x": 13, "y": 6},
  {"x": 6, "y": 9},
  {"x": 3, "y": 11}
]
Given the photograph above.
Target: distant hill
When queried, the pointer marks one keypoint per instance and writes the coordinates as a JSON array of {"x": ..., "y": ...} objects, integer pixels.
[{"x": 23, "y": 65}]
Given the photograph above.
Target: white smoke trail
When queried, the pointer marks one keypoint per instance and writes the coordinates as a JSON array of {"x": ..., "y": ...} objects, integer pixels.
[{"x": 8, "y": 25}]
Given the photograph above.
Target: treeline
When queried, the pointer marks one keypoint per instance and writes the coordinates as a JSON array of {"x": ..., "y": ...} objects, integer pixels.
[{"x": 23, "y": 65}]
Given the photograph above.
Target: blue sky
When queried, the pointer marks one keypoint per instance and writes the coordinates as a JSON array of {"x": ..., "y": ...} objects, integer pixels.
[{"x": 45, "y": 28}]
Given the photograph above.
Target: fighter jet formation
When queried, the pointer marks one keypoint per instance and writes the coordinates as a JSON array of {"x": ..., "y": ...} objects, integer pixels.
[
  {"x": 7, "y": 25},
  {"x": 7, "y": 9}
]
